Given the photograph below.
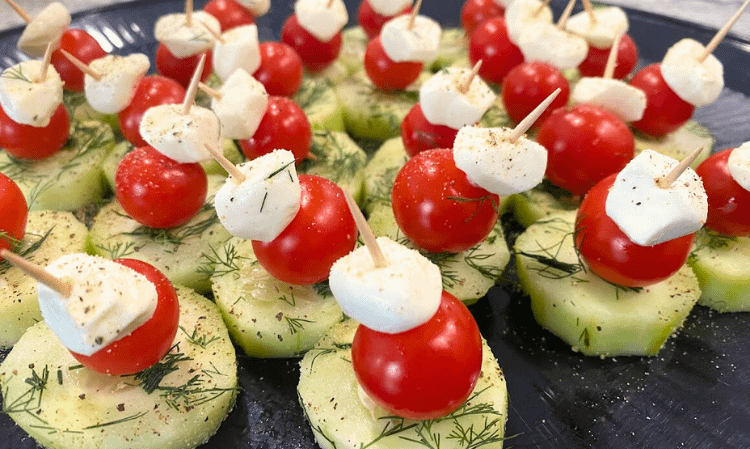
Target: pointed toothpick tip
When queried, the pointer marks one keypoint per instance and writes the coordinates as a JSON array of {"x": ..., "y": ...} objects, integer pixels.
[
  {"x": 529, "y": 120},
  {"x": 37, "y": 272},
  {"x": 609, "y": 68},
  {"x": 82, "y": 66},
  {"x": 466, "y": 83},
  {"x": 211, "y": 92},
  {"x": 237, "y": 176},
  {"x": 667, "y": 180},
  {"x": 20, "y": 11},
  {"x": 721, "y": 34},
  {"x": 364, "y": 230},
  {"x": 193, "y": 86}
]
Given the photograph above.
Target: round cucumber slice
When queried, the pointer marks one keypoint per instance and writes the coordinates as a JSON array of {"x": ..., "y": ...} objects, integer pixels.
[
  {"x": 680, "y": 143},
  {"x": 540, "y": 203},
  {"x": 454, "y": 49},
  {"x": 178, "y": 403},
  {"x": 722, "y": 266},
  {"x": 353, "y": 44},
  {"x": 321, "y": 105},
  {"x": 381, "y": 171},
  {"x": 337, "y": 158},
  {"x": 329, "y": 395}
]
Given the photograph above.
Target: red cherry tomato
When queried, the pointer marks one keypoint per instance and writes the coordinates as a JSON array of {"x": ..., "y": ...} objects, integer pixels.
[
  {"x": 423, "y": 373},
  {"x": 14, "y": 213},
  {"x": 151, "y": 91},
  {"x": 596, "y": 59},
  {"x": 474, "y": 12},
  {"x": 147, "y": 344},
  {"x": 611, "y": 255},
  {"x": 315, "y": 54},
  {"x": 665, "y": 111},
  {"x": 29, "y": 142},
  {"x": 728, "y": 202},
  {"x": 530, "y": 83},
  {"x": 283, "y": 126},
  {"x": 386, "y": 74},
  {"x": 280, "y": 69},
  {"x": 229, "y": 13},
  {"x": 490, "y": 43},
  {"x": 180, "y": 69},
  {"x": 584, "y": 145},
  {"x": 418, "y": 134},
  {"x": 157, "y": 191},
  {"x": 83, "y": 46},
  {"x": 372, "y": 22},
  {"x": 438, "y": 208},
  {"x": 322, "y": 232}
]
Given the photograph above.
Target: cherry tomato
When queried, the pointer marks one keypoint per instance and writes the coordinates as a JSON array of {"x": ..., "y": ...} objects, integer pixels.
[
  {"x": 438, "y": 208},
  {"x": 30, "y": 142},
  {"x": 423, "y": 373},
  {"x": 584, "y": 145},
  {"x": 14, "y": 213},
  {"x": 530, "y": 83},
  {"x": 611, "y": 255},
  {"x": 157, "y": 191},
  {"x": 596, "y": 59},
  {"x": 418, "y": 134},
  {"x": 83, "y": 46},
  {"x": 372, "y": 22},
  {"x": 180, "y": 69},
  {"x": 147, "y": 344},
  {"x": 283, "y": 126},
  {"x": 229, "y": 13},
  {"x": 151, "y": 91},
  {"x": 315, "y": 54},
  {"x": 474, "y": 12},
  {"x": 728, "y": 202},
  {"x": 386, "y": 74},
  {"x": 490, "y": 43},
  {"x": 665, "y": 111},
  {"x": 280, "y": 69},
  {"x": 322, "y": 232}
]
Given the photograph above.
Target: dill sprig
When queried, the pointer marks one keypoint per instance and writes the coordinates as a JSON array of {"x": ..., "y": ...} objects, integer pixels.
[
  {"x": 16, "y": 73},
  {"x": 221, "y": 263},
  {"x": 198, "y": 339},
  {"x": 25, "y": 252},
  {"x": 31, "y": 399},
  {"x": 280, "y": 169},
  {"x": 296, "y": 324},
  {"x": 177, "y": 236},
  {"x": 150, "y": 378},
  {"x": 310, "y": 92}
]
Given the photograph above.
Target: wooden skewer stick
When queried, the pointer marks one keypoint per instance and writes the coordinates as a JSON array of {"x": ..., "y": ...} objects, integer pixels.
[
  {"x": 37, "y": 272},
  {"x": 722, "y": 32},
  {"x": 82, "y": 66},
  {"x": 189, "y": 12},
  {"x": 213, "y": 32},
  {"x": 213, "y": 93},
  {"x": 193, "y": 87},
  {"x": 226, "y": 164},
  {"x": 565, "y": 15},
  {"x": 538, "y": 11},
  {"x": 667, "y": 180},
  {"x": 414, "y": 14},
  {"x": 590, "y": 11},
  {"x": 609, "y": 69},
  {"x": 20, "y": 11},
  {"x": 46, "y": 61},
  {"x": 529, "y": 120},
  {"x": 466, "y": 83},
  {"x": 367, "y": 235}
]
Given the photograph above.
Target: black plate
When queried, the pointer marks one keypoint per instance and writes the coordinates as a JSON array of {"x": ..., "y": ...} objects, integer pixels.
[{"x": 694, "y": 394}]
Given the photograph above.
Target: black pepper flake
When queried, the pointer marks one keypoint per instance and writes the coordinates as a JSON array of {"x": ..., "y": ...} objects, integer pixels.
[
  {"x": 81, "y": 396},
  {"x": 120, "y": 407}
]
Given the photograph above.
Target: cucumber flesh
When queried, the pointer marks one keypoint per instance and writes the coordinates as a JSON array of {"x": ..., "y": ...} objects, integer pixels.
[
  {"x": 321, "y": 105},
  {"x": 454, "y": 49},
  {"x": 339, "y": 159},
  {"x": 540, "y": 203},
  {"x": 329, "y": 395},
  {"x": 353, "y": 45},
  {"x": 381, "y": 171},
  {"x": 680, "y": 143},
  {"x": 722, "y": 266}
]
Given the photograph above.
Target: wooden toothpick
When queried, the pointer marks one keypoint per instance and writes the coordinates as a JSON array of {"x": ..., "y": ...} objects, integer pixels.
[
  {"x": 590, "y": 11},
  {"x": 46, "y": 61},
  {"x": 37, "y": 272},
  {"x": 466, "y": 83},
  {"x": 20, "y": 11},
  {"x": 226, "y": 164},
  {"x": 609, "y": 69},
  {"x": 566, "y": 14},
  {"x": 544, "y": 4},
  {"x": 189, "y": 12},
  {"x": 213, "y": 93},
  {"x": 82, "y": 66},
  {"x": 529, "y": 120},
  {"x": 367, "y": 235},
  {"x": 711, "y": 46},
  {"x": 213, "y": 32},
  {"x": 414, "y": 14},
  {"x": 193, "y": 87},
  {"x": 667, "y": 180}
]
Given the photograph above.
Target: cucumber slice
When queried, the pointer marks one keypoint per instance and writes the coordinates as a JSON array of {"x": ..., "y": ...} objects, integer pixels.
[
  {"x": 496, "y": 116},
  {"x": 80, "y": 110},
  {"x": 468, "y": 275},
  {"x": 540, "y": 203},
  {"x": 267, "y": 317},
  {"x": 329, "y": 395},
  {"x": 680, "y": 143},
  {"x": 353, "y": 45},
  {"x": 339, "y": 159},
  {"x": 49, "y": 235},
  {"x": 381, "y": 171},
  {"x": 722, "y": 266},
  {"x": 590, "y": 314},
  {"x": 110, "y": 163},
  {"x": 332, "y": 75},
  {"x": 231, "y": 151},
  {"x": 63, "y": 405},
  {"x": 454, "y": 49},
  {"x": 182, "y": 253},
  {"x": 69, "y": 179},
  {"x": 321, "y": 105}
]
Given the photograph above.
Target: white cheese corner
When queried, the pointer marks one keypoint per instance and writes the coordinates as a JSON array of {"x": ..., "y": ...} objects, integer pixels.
[
  {"x": 181, "y": 137},
  {"x": 420, "y": 42},
  {"x": 25, "y": 98},
  {"x": 243, "y": 104},
  {"x": 46, "y": 27},
  {"x": 623, "y": 100},
  {"x": 182, "y": 40},
  {"x": 323, "y": 22},
  {"x": 610, "y": 22},
  {"x": 698, "y": 83},
  {"x": 257, "y": 7},
  {"x": 522, "y": 13},
  {"x": 389, "y": 8},
  {"x": 240, "y": 49},
  {"x": 120, "y": 76},
  {"x": 738, "y": 165},
  {"x": 443, "y": 103},
  {"x": 543, "y": 42}
]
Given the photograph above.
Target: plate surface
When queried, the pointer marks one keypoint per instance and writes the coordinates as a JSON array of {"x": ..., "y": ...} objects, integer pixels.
[{"x": 694, "y": 394}]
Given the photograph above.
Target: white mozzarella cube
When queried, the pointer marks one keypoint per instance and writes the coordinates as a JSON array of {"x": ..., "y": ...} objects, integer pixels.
[
  {"x": 107, "y": 302},
  {"x": 181, "y": 137},
  {"x": 503, "y": 3},
  {"x": 738, "y": 165},
  {"x": 497, "y": 165},
  {"x": 240, "y": 49},
  {"x": 649, "y": 214},
  {"x": 263, "y": 205},
  {"x": 48, "y": 26},
  {"x": 257, "y": 7},
  {"x": 182, "y": 40},
  {"x": 403, "y": 43},
  {"x": 544, "y": 42},
  {"x": 522, "y": 13},
  {"x": 443, "y": 103},
  {"x": 697, "y": 82},
  {"x": 320, "y": 20},
  {"x": 120, "y": 76},
  {"x": 389, "y": 8},
  {"x": 242, "y": 105},
  {"x": 615, "y": 96},
  {"x": 400, "y": 296},
  {"x": 25, "y": 98},
  {"x": 609, "y": 23}
]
